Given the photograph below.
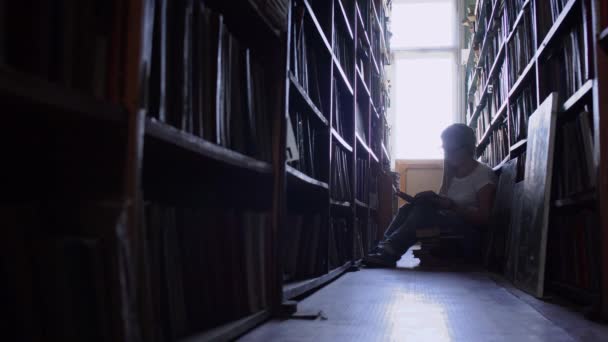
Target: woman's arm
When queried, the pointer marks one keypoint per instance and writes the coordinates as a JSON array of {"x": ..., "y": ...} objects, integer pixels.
[{"x": 478, "y": 216}]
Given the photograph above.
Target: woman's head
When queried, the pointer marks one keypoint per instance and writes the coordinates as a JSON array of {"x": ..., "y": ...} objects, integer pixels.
[{"x": 458, "y": 144}]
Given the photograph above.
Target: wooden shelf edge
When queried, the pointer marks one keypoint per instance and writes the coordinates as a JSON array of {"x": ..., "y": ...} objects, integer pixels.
[
  {"x": 518, "y": 145},
  {"x": 518, "y": 20},
  {"x": 362, "y": 80},
  {"x": 367, "y": 148},
  {"x": 573, "y": 292},
  {"x": 362, "y": 204},
  {"x": 275, "y": 31},
  {"x": 495, "y": 120},
  {"x": 305, "y": 178},
  {"x": 520, "y": 80},
  {"x": 342, "y": 74},
  {"x": 575, "y": 199},
  {"x": 603, "y": 39},
  {"x": 502, "y": 163},
  {"x": 341, "y": 140},
  {"x": 232, "y": 330},
  {"x": 557, "y": 25},
  {"x": 345, "y": 17},
  {"x": 579, "y": 95},
  {"x": 187, "y": 141},
  {"x": 342, "y": 204},
  {"x": 298, "y": 288},
  {"x": 385, "y": 151},
  {"x": 307, "y": 99},
  {"x": 318, "y": 26},
  {"x": 40, "y": 92}
]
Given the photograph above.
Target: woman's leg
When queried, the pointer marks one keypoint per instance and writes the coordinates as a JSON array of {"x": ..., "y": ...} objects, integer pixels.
[
  {"x": 402, "y": 235},
  {"x": 399, "y": 219}
]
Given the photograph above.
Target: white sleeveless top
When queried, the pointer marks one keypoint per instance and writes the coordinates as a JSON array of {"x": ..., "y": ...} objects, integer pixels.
[{"x": 463, "y": 191}]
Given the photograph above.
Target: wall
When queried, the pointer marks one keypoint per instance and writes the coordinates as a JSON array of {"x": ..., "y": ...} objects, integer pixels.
[{"x": 419, "y": 175}]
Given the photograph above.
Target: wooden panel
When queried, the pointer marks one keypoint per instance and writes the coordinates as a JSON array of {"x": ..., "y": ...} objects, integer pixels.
[{"x": 419, "y": 175}]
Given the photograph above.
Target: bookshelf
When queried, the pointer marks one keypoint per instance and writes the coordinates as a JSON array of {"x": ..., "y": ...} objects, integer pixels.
[
  {"x": 333, "y": 74},
  {"x": 600, "y": 101},
  {"x": 204, "y": 161},
  {"x": 520, "y": 51}
]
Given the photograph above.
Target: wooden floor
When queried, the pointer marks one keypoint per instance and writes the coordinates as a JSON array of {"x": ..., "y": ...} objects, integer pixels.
[{"x": 410, "y": 304}]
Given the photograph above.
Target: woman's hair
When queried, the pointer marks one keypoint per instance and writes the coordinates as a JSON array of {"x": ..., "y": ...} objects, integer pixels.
[
  {"x": 460, "y": 135},
  {"x": 457, "y": 135}
]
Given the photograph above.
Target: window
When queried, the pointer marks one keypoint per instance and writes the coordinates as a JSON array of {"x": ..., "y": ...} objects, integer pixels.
[{"x": 424, "y": 76}]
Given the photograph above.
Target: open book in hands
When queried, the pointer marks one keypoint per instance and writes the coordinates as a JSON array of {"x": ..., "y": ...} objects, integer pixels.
[{"x": 423, "y": 198}]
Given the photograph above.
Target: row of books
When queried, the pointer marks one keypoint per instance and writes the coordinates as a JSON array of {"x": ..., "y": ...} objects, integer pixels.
[
  {"x": 224, "y": 95},
  {"x": 340, "y": 187},
  {"x": 574, "y": 166},
  {"x": 76, "y": 44},
  {"x": 565, "y": 69},
  {"x": 498, "y": 146},
  {"x": 344, "y": 50},
  {"x": 340, "y": 242},
  {"x": 521, "y": 109},
  {"x": 342, "y": 115},
  {"x": 275, "y": 11},
  {"x": 303, "y": 248},
  {"x": 305, "y": 140},
  {"x": 305, "y": 64},
  {"x": 361, "y": 123},
  {"x": 572, "y": 245},
  {"x": 521, "y": 48},
  {"x": 496, "y": 97},
  {"x": 205, "y": 266},
  {"x": 513, "y": 10},
  {"x": 494, "y": 40},
  {"x": 548, "y": 12},
  {"x": 362, "y": 183}
]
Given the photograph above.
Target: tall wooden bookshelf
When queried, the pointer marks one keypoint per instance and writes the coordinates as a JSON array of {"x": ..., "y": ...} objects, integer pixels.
[
  {"x": 343, "y": 47},
  {"x": 600, "y": 45},
  {"x": 153, "y": 199},
  {"x": 520, "y": 51}
]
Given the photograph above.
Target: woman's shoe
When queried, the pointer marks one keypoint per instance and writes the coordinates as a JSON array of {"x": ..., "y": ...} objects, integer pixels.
[{"x": 380, "y": 260}]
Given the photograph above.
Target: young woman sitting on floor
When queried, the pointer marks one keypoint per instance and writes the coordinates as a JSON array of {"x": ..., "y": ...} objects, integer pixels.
[{"x": 463, "y": 204}]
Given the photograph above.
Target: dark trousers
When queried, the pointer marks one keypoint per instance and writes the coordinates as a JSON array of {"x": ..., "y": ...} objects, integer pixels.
[{"x": 401, "y": 233}]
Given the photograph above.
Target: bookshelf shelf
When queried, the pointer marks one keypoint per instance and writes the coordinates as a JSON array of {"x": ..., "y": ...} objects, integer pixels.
[
  {"x": 298, "y": 288},
  {"x": 362, "y": 82},
  {"x": 495, "y": 121},
  {"x": 232, "y": 330},
  {"x": 186, "y": 141},
  {"x": 317, "y": 25},
  {"x": 493, "y": 71},
  {"x": 341, "y": 140},
  {"x": 385, "y": 152},
  {"x": 27, "y": 90},
  {"x": 518, "y": 146},
  {"x": 522, "y": 78},
  {"x": 340, "y": 204},
  {"x": 298, "y": 176},
  {"x": 557, "y": 27},
  {"x": 502, "y": 163},
  {"x": 345, "y": 20},
  {"x": 343, "y": 76},
  {"x": 257, "y": 10},
  {"x": 604, "y": 39},
  {"x": 575, "y": 100},
  {"x": 366, "y": 148},
  {"x": 359, "y": 16},
  {"x": 576, "y": 200},
  {"x": 573, "y": 292},
  {"x": 519, "y": 19},
  {"x": 306, "y": 99},
  {"x": 361, "y": 204}
]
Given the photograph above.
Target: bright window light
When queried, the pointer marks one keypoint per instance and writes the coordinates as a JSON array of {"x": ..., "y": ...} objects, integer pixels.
[
  {"x": 422, "y": 24},
  {"x": 424, "y": 104}
]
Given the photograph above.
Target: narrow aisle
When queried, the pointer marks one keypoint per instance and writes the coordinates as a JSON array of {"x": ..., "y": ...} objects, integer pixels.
[{"x": 415, "y": 305}]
